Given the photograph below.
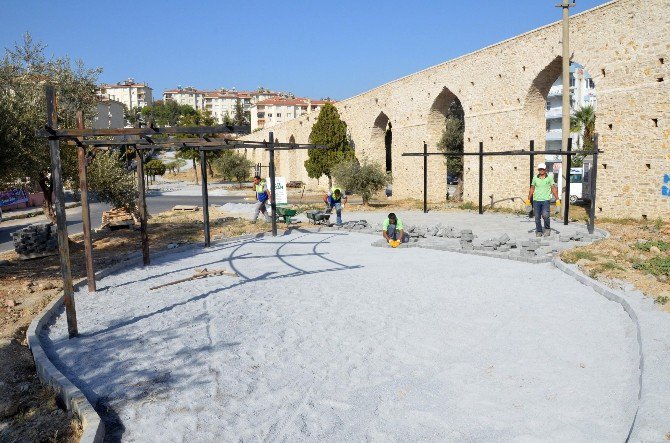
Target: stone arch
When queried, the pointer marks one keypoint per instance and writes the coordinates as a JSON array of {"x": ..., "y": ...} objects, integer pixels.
[
  {"x": 535, "y": 102},
  {"x": 445, "y": 108},
  {"x": 382, "y": 139}
]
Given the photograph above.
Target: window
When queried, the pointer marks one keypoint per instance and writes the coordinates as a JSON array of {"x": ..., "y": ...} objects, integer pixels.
[
  {"x": 278, "y": 115},
  {"x": 575, "y": 178},
  {"x": 548, "y": 106},
  {"x": 260, "y": 115},
  {"x": 572, "y": 82},
  {"x": 269, "y": 115}
]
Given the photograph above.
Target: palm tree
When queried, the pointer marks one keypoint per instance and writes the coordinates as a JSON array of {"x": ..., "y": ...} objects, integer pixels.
[{"x": 584, "y": 119}]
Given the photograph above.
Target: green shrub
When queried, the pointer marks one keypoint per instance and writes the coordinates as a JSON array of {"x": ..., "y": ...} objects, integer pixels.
[
  {"x": 154, "y": 168},
  {"x": 658, "y": 265},
  {"x": 660, "y": 244},
  {"x": 364, "y": 180},
  {"x": 111, "y": 182},
  {"x": 233, "y": 166}
]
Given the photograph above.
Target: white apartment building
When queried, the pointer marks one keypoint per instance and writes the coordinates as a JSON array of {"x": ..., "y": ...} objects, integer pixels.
[
  {"x": 131, "y": 94},
  {"x": 218, "y": 102},
  {"x": 272, "y": 111},
  {"x": 582, "y": 93},
  {"x": 109, "y": 115},
  {"x": 186, "y": 96}
]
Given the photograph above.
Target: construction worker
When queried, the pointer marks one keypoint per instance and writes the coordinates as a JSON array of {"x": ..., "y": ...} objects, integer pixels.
[
  {"x": 335, "y": 199},
  {"x": 262, "y": 197},
  {"x": 393, "y": 230},
  {"x": 541, "y": 189}
]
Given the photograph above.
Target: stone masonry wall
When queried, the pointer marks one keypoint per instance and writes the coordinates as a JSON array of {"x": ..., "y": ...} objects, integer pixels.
[{"x": 624, "y": 45}]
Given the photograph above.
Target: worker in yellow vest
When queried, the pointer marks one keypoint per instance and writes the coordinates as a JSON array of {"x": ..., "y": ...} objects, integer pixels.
[
  {"x": 335, "y": 200},
  {"x": 262, "y": 197}
]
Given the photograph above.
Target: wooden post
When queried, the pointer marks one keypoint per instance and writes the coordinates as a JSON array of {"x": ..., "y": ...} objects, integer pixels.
[
  {"x": 273, "y": 202},
  {"x": 566, "y": 203},
  {"x": 85, "y": 209},
  {"x": 142, "y": 207},
  {"x": 425, "y": 178},
  {"x": 205, "y": 195},
  {"x": 481, "y": 177},
  {"x": 61, "y": 220}
]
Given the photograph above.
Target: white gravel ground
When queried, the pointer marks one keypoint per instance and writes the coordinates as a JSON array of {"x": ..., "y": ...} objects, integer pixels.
[{"x": 324, "y": 337}]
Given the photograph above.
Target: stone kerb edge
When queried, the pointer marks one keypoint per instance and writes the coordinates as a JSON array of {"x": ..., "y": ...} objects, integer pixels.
[
  {"x": 609, "y": 294},
  {"x": 75, "y": 400}
]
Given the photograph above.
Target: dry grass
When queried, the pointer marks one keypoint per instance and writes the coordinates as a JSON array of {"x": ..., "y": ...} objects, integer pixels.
[
  {"x": 637, "y": 252},
  {"x": 28, "y": 410}
]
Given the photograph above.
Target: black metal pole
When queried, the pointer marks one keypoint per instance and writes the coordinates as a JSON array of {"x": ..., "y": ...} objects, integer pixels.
[
  {"x": 531, "y": 174},
  {"x": 566, "y": 203},
  {"x": 481, "y": 177},
  {"x": 273, "y": 202},
  {"x": 61, "y": 220},
  {"x": 142, "y": 203},
  {"x": 594, "y": 174},
  {"x": 205, "y": 196},
  {"x": 425, "y": 178}
]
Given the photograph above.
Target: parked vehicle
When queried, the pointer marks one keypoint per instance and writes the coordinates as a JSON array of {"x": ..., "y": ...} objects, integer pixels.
[{"x": 295, "y": 184}]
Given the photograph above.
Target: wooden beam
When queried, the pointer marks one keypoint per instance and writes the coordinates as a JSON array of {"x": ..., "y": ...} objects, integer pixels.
[
  {"x": 85, "y": 210},
  {"x": 142, "y": 207},
  {"x": 50, "y": 131},
  {"x": 61, "y": 220}
]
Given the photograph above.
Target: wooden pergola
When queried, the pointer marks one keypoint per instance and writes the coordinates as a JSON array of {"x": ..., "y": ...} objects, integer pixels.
[{"x": 140, "y": 140}]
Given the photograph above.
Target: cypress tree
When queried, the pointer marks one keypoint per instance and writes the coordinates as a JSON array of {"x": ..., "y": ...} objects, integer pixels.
[{"x": 331, "y": 131}]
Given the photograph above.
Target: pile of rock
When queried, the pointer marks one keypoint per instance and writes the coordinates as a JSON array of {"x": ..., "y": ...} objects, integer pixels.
[
  {"x": 467, "y": 237},
  {"x": 358, "y": 225},
  {"x": 439, "y": 230},
  {"x": 577, "y": 236},
  {"x": 529, "y": 248},
  {"x": 36, "y": 240},
  {"x": 501, "y": 244}
]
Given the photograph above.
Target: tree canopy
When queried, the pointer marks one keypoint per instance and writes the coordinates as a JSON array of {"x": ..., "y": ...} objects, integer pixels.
[
  {"x": 364, "y": 179},
  {"x": 24, "y": 71},
  {"x": 331, "y": 131}
]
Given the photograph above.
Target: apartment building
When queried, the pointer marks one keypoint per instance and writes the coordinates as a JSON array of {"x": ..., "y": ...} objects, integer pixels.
[
  {"x": 109, "y": 115},
  {"x": 128, "y": 92},
  {"x": 582, "y": 92},
  {"x": 272, "y": 111},
  {"x": 219, "y": 102}
]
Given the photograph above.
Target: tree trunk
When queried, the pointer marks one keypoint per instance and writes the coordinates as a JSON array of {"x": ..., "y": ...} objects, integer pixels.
[
  {"x": 195, "y": 171},
  {"x": 46, "y": 185},
  {"x": 330, "y": 183},
  {"x": 209, "y": 168},
  {"x": 459, "y": 189}
]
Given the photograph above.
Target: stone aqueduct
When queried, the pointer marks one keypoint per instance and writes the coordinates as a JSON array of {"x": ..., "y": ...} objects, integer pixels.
[{"x": 624, "y": 45}]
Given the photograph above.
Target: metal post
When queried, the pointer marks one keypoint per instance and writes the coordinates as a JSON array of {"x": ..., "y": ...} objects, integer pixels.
[
  {"x": 481, "y": 177},
  {"x": 85, "y": 210},
  {"x": 594, "y": 174},
  {"x": 61, "y": 221},
  {"x": 205, "y": 195},
  {"x": 142, "y": 206},
  {"x": 565, "y": 123},
  {"x": 273, "y": 202},
  {"x": 566, "y": 202},
  {"x": 531, "y": 174},
  {"x": 425, "y": 178}
]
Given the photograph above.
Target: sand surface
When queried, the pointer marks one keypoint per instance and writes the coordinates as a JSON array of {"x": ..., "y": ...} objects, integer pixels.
[{"x": 324, "y": 337}]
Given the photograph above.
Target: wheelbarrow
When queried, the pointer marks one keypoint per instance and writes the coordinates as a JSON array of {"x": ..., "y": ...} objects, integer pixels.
[
  {"x": 318, "y": 217},
  {"x": 285, "y": 214}
]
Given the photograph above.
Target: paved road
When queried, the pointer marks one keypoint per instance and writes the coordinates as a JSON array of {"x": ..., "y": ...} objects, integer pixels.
[{"x": 155, "y": 205}]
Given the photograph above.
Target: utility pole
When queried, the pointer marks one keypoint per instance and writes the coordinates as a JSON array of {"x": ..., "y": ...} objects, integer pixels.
[{"x": 565, "y": 123}]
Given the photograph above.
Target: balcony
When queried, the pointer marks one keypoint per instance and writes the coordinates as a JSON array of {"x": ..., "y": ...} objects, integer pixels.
[
  {"x": 553, "y": 113},
  {"x": 554, "y": 134}
]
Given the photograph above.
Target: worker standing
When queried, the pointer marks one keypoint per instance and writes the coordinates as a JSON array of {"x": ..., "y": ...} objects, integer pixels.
[
  {"x": 262, "y": 197},
  {"x": 541, "y": 189},
  {"x": 336, "y": 200}
]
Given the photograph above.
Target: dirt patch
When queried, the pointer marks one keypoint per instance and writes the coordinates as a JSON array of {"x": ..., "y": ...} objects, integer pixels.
[
  {"x": 28, "y": 410},
  {"x": 637, "y": 253}
]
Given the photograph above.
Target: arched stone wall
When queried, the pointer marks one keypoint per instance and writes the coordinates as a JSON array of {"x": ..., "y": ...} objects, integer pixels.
[{"x": 623, "y": 44}]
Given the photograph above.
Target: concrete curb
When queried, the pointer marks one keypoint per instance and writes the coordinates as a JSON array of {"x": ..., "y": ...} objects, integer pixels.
[
  {"x": 72, "y": 397},
  {"x": 609, "y": 294},
  {"x": 35, "y": 213}
]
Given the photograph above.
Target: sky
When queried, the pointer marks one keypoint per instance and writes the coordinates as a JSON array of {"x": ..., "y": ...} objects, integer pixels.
[{"x": 313, "y": 48}]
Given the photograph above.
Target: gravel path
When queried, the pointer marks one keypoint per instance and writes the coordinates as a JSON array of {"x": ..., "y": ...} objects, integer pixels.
[{"x": 324, "y": 337}]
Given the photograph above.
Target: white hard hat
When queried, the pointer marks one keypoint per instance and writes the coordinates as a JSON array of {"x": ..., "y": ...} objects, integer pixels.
[{"x": 541, "y": 166}]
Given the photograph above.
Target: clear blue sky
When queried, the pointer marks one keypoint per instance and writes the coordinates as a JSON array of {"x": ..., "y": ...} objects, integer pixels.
[{"x": 313, "y": 48}]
